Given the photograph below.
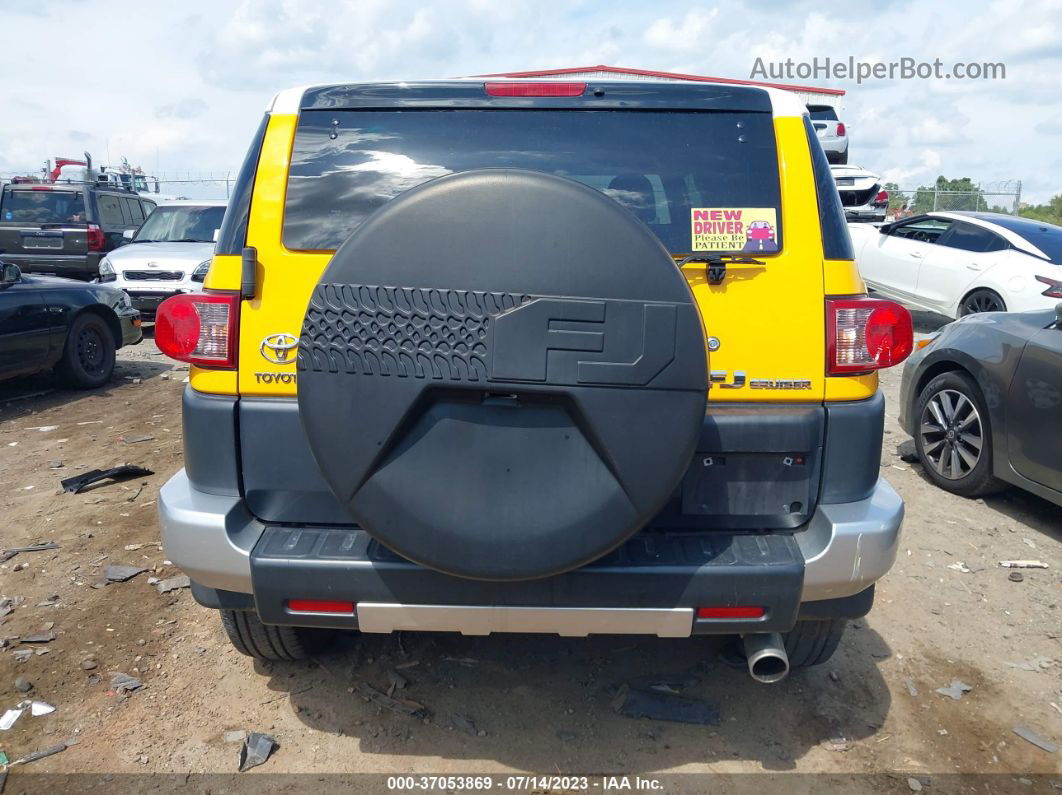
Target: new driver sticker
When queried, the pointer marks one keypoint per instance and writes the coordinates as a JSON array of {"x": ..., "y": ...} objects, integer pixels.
[{"x": 748, "y": 229}]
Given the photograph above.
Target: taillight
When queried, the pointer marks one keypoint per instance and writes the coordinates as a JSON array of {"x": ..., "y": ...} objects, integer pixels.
[
  {"x": 882, "y": 199},
  {"x": 865, "y": 334},
  {"x": 534, "y": 89},
  {"x": 840, "y": 129},
  {"x": 96, "y": 240},
  {"x": 1054, "y": 288},
  {"x": 199, "y": 328}
]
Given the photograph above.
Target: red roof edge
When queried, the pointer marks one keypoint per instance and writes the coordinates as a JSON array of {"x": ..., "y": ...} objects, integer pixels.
[{"x": 837, "y": 92}]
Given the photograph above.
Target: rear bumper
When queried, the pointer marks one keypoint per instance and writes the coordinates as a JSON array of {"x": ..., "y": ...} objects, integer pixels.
[{"x": 827, "y": 565}]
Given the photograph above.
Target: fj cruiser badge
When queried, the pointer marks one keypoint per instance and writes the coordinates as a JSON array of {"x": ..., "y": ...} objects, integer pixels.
[
  {"x": 277, "y": 348},
  {"x": 739, "y": 380}
]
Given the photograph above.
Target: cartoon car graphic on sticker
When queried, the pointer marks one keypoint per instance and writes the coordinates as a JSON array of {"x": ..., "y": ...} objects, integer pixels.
[{"x": 759, "y": 236}]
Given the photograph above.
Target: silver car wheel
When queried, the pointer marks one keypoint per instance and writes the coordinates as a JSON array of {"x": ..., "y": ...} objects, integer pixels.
[{"x": 951, "y": 434}]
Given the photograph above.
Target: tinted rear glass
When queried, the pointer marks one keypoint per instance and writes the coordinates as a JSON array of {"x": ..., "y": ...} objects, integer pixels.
[
  {"x": 180, "y": 224},
  {"x": 660, "y": 165},
  {"x": 1046, "y": 237},
  {"x": 822, "y": 113},
  {"x": 42, "y": 207}
]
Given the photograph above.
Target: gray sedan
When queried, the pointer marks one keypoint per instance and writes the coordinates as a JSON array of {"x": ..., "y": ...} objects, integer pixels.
[{"x": 983, "y": 401}]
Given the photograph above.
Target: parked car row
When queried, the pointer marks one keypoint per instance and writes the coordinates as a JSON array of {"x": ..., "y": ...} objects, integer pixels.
[
  {"x": 98, "y": 232},
  {"x": 71, "y": 326},
  {"x": 961, "y": 263}
]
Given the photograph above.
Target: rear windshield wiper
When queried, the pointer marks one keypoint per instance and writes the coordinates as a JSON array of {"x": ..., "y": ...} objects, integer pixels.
[{"x": 717, "y": 263}]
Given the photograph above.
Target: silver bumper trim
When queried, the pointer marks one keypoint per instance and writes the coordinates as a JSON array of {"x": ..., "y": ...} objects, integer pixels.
[
  {"x": 209, "y": 536},
  {"x": 849, "y": 546},
  {"x": 574, "y": 622}
]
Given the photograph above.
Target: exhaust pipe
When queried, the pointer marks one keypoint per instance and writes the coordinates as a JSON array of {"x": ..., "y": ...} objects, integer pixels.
[{"x": 765, "y": 652}]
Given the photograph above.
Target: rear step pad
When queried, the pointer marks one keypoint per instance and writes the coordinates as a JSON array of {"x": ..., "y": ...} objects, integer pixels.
[{"x": 651, "y": 570}]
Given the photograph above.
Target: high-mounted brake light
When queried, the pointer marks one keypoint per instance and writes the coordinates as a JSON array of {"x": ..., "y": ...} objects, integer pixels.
[
  {"x": 96, "y": 240},
  {"x": 535, "y": 89},
  {"x": 199, "y": 328},
  {"x": 866, "y": 334},
  {"x": 1054, "y": 288},
  {"x": 840, "y": 128}
]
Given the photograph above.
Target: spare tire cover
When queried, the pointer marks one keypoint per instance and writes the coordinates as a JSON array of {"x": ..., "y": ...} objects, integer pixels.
[{"x": 502, "y": 374}]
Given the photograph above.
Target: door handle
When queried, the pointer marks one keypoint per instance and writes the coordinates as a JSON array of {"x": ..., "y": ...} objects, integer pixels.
[
  {"x": 915, "y": 254},
  {"x": 973, "y": 266}
]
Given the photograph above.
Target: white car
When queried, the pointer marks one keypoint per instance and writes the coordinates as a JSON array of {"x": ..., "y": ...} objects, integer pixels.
[
  {"x": 169, "y": 254},
  {"x": 831, "y": 132},
  {"x": 862, "y": 196},
  {"x": 958, "y": 263}
]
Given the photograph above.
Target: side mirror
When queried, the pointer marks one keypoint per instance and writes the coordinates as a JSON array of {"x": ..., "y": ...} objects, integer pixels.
[
  {"x": 128, "y": 234},
  {"x": 216, "y": 233},
  {"x": 9, "y": 274}
]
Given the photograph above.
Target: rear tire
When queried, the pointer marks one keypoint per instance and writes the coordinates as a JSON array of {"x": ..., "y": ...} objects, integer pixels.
[
  {"x": 972, "y": 436},
  {"x": 250, "y": 636},
  {"x": 842, "y": 158},
  {"x": 88, "y": 357},
  {"x": 982, "y": 300},
  {"x": 813, "y": 642}
]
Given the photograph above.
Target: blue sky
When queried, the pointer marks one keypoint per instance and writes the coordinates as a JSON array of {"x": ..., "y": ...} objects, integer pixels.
[{"x": 184, "y": 84}]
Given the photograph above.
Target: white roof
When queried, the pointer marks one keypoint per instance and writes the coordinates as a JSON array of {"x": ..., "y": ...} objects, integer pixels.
[{"x": 783, "y": 103}]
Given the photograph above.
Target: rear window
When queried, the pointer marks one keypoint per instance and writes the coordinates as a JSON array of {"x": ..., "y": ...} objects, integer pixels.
[
  {"x": 42, "y": 207},
  {"x": 1046, "y": 237},
  {"x": 666, "y": 167},
  {"x": 180, "y": 225},
  {"x": 822, "y": 113}
]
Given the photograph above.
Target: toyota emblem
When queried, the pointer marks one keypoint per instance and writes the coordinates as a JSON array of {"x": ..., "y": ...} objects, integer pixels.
[{"x": 277, "y": 348}]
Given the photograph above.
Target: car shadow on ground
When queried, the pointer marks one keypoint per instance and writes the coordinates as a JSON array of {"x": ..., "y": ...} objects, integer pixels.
[
  {"x": 20, "y": 397},
  {"x": 1013, "y": 502},
  {"x": 545, "y": 704}
]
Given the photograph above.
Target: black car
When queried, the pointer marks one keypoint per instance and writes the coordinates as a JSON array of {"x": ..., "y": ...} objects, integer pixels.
[
  {"x": 983, "y": 401},
  {"x": 64, "y": 229},
  {"x": 73, "y": 327}
]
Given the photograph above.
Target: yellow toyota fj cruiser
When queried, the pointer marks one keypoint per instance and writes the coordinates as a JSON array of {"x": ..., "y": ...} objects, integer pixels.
[{"x": 521, "y": 356}]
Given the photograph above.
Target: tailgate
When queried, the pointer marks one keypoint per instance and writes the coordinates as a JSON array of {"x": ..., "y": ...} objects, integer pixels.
[{"x": 42, "y": 221}]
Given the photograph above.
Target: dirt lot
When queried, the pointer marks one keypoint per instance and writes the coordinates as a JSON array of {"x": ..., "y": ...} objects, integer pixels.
[{"x": 947, "y": 611}]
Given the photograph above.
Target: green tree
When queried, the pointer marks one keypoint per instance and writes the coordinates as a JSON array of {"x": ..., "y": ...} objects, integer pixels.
[
  {"x": 1050, "y": 212},
  {"x": 949, "y": 194}
]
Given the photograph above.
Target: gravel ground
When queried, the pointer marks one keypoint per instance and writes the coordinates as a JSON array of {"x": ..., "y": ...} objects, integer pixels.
[{"x": 946, "y": 612}]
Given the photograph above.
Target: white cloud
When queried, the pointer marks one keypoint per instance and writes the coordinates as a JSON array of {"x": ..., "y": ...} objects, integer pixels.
[{"x": 192, "y": 91}]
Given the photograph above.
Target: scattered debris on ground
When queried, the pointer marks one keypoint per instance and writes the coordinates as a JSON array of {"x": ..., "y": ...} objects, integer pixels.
[
  {"x": 124, "y": 683},
  {"x": 256, "y": 750},
  {"x": 1030, "y": 736},
  {"x": 77, "y": 483},
  {"x": 173, "y": 583},
  {"x": 955, "y": 690},
  {"x": 117, "y": 572},
  {"x": 634, "y": 702},
  {"x": 1023, "y": 564}
]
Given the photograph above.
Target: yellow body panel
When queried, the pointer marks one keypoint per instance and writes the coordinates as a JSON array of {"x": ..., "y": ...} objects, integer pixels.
[{"x": 769, "y": 320}]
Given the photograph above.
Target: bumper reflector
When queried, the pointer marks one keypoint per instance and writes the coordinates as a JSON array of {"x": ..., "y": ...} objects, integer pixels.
[
  {"x": 730, "y": 612},
  {"x": 320, "y": 606}
]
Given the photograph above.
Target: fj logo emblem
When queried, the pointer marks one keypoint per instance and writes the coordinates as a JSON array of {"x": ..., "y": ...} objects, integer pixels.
[{"x": 279, "y": 348}]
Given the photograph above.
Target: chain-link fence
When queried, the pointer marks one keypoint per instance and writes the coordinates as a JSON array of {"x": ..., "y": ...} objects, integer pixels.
[{"x": 997, "y": 197}]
